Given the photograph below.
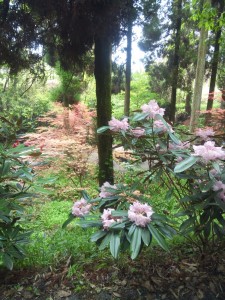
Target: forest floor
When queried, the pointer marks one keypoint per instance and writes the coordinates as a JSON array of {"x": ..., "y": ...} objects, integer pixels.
[{"x": 184, "y": 273}]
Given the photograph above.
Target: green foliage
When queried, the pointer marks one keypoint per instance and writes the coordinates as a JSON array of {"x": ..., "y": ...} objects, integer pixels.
[
  {"x": 18, "y": 187},
  {"x": 16, "y": 179},
  {"x": 139, "y": 95},
  {"x": 71, "y": 85},
  {"x": 205, "y": 14},
  {"x": 23, "y": 98}
]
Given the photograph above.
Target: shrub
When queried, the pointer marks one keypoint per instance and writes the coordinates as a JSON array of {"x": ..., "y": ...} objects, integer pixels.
[
  {"x": 23, "y": 99},
  {"x": 193, "y": 174},
  {"x": 16, "y": 188}
]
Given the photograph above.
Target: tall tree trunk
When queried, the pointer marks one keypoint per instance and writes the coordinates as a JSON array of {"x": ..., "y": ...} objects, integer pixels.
[
  {"x": 128, "y": 64},
  {"x": 188, "y": 102},
  {"x": 199, "y": 78},
  {"x": 215, "y": 61},
  {"x": 103, "y": 51},
  {"x": 189, "y": 92},
  {"x": 176, "y": 60}
]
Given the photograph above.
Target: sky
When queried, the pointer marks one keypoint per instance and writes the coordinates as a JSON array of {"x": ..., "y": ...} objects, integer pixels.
[{"x": 137, "y": 54}]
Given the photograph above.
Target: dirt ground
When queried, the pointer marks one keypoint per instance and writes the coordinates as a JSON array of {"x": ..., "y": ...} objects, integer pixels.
[
  {"x": 183, "y": 274},
  {"x": 167, "y": 276}
]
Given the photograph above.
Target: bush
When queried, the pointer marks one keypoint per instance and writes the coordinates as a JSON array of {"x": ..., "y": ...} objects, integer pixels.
[
  {"x": 23, "y": 99},
  {"x": 194, "y": 175},
  {"x": 17, "y": 188}
]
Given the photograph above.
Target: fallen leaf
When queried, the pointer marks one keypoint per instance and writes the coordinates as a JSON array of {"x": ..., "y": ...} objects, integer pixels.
[
  {"x": 63, "y": 293},
  {"x": 116, "y": 295}
]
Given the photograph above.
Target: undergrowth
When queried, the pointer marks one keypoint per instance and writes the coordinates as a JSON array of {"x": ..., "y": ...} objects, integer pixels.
[{"x": 50, "y": 245}]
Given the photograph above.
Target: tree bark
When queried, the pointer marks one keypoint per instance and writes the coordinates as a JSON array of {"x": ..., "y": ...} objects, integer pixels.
[
  {"x": 128, "y": 66},
  {"x": 199, "y": 79},
  {"x": 215, "y": 61},
  {"x": 103, "y": 51},
  {"x": 188, "y": 102},
  {"x": 176, "y": 59}
]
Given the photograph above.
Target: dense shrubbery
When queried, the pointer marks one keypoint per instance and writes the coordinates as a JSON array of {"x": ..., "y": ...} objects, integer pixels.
[
  {"x": 18, "y": 187},
  {"x": 23, "y": 98},
  {"x": 70, "y": 88},
  {"x": 191, "y": 171}
]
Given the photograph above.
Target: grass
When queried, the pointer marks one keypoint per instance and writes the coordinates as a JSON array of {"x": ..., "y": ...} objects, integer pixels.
[{"x": 50, "y": 245}]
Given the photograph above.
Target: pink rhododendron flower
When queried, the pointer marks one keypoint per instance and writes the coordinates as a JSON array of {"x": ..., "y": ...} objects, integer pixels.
[
  {"x": 103, "y": 190},
  {"x": 214, "y": 173},
  {"x": 108, "y": 219},
  {"x": 204, "y": 133},
  {"x": 158, "y": 124},
  {"x": 218, "y": 186},
  {"x": 140, "y": 213},
  {"x": 209, "y": 151},
  {"x": 81, "y": 208},
  {"x": 182, "y": 145},
  {"x": 179, "y": 159},
  {"x": 138, "y": 131},
  {"x": 117, "y": 125},
  {"x": 152, "y": 109}
]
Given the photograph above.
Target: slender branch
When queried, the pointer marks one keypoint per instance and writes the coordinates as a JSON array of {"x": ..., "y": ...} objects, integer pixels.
[{"x": 34, "y": 78}]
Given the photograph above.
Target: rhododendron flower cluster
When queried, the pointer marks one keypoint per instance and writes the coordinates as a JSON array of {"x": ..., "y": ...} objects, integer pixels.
[
  {"x": 209, "y": 152},
  {"x": 219, "y": 185},
  {"x": 108, "y": 219},
  {"x": 117, "y": 125},
  {"x": 140, "y": 213},
  {"x": 81, "y": 208},
  {"x": 138, "y": 131},
  {"x": 204, "y": 133},
  {"x": 152, "y": 108},
  {"x": 103, "y": 190},
  {"x": 158, "y": 124}
]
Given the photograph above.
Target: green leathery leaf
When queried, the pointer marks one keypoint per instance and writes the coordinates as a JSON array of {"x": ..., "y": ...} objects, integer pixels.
[
  {"x": 68, "y": 221},
  {"x": 187, "y": 224},
  {"x": 4, "y": 170},
  {"x": 131, "y": 230},
  {"x": 146, "y": 236},
  {"x": 186, "y": 164},
  {"x": 119, "y": 213},
  {"x": 7, "y": 261},
  {"x": 98, "y": 235},
  {"x": 105, "y": 241},
  {"x": 85, "y": 195},
  {"x": 89, "y": 223},
  {"x": 114, "y": 244},
  {"x": 139, "y": 116},
  {"x": 158, "y": 237},
  {"x": 135, "y": 242},
  {"x": 102, "y": 129}
]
